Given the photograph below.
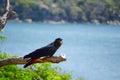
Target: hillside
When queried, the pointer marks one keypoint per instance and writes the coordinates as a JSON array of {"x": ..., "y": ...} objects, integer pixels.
[{"x": 80, "y": 11}]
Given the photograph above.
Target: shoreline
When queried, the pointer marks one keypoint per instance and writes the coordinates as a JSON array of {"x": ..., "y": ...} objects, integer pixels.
[{"x": 115, "y": 22}]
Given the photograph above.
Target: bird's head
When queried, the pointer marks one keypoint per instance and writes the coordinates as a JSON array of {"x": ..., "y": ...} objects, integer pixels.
[{"x": 58, "y": 42}]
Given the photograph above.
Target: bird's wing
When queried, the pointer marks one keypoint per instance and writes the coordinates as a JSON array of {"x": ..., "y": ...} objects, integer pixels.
[{"x": 44, "y": 51}]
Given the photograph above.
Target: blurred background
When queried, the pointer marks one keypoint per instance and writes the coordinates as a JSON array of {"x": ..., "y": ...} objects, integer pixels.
[
  {"x": 73, "y": 11},
  {"x": 90, "y": 30}
]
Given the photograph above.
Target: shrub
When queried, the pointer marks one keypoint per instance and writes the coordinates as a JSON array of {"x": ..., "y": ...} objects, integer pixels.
[{"x": 44, "y": 71}]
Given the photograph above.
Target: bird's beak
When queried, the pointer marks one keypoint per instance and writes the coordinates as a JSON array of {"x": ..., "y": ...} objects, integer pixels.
[{"x": 61, "y": 41}]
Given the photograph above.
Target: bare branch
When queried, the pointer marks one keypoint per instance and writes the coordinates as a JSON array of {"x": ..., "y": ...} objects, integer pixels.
[
  {"x": 7, "y": 8},
  {"x": 4, "y": 17},
  {"x": 14, "y": 61}
]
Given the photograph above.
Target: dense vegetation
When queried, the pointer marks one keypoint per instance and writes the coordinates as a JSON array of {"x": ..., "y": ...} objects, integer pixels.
[
  {"x": 67, "y": 10},
  {"x": 37, "y": 72}
]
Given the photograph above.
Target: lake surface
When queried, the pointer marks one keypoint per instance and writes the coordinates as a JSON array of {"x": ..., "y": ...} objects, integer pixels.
[{"x": 92, "y": 51}]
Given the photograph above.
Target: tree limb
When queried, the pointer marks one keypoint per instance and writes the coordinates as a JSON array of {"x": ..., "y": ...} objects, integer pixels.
[
  {"x": 5, "y": 16},
  {"x": 3, "y": 19},
  {"x": 14, "y": 61}
]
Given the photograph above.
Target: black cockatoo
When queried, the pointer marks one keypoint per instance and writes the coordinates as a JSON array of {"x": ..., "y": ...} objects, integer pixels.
[{"x": 46, "y": 51}]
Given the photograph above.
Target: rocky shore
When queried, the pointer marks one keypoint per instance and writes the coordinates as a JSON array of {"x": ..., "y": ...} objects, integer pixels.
[{"x": 28, "y": 20}]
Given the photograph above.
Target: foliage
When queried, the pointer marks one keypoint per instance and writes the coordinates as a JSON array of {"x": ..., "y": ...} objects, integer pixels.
[
  {"x": 68, "y": 10},
  {"x": 1, "y": 36},
  {"x": 43, "y": 71}
]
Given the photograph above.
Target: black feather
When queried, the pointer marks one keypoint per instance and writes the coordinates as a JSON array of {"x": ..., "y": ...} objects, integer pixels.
[{"x": 46, "y": 51}]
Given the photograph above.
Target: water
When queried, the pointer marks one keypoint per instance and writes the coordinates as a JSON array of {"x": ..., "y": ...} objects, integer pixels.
[{"x": 92, "y": 51}]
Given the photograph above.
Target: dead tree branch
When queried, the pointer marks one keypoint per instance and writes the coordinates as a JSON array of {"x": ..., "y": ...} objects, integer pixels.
[
  {"x": 15, "y": 61},
  {"x": 3, "y": 19},
  {"x": 6, "y": 16}
]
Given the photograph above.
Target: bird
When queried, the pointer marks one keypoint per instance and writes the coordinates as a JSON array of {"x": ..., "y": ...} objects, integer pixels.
[{"x": 46, "y": 51}]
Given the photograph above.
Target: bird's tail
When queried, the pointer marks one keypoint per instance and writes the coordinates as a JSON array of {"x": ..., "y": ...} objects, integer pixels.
[{"x": 31, "y": 61}]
